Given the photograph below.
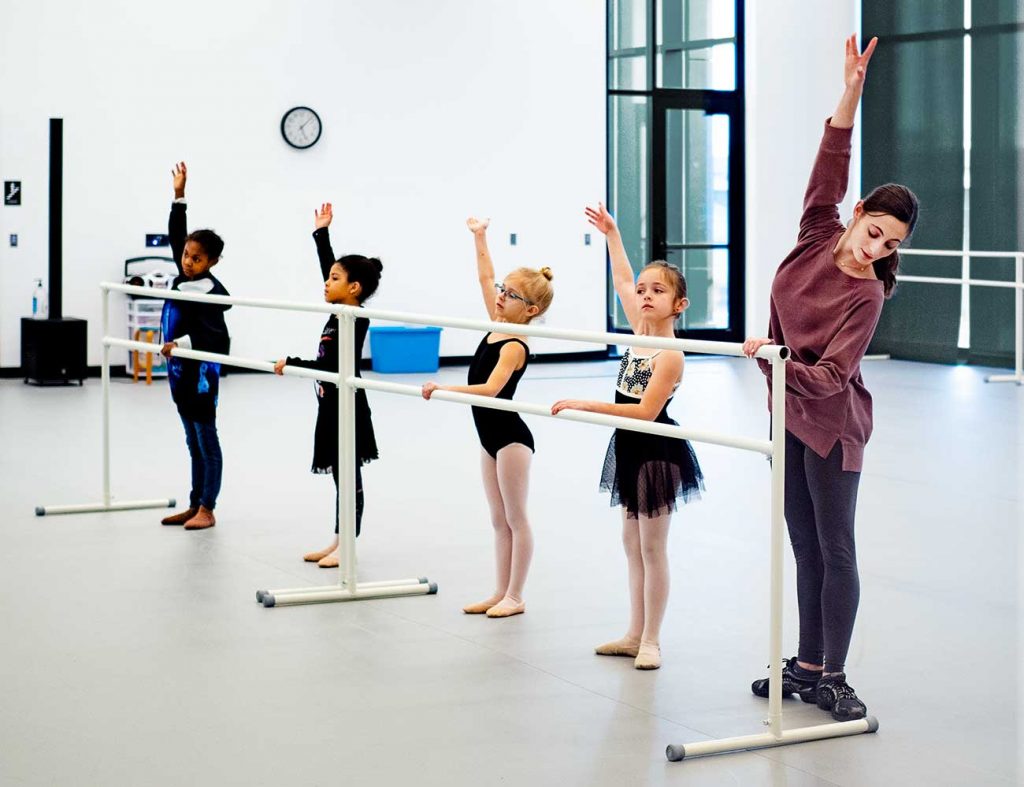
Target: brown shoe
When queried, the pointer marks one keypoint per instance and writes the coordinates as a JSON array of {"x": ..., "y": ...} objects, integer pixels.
[
  {"x": 180, "y": 518},
  {"x": 203, "y": 519}
]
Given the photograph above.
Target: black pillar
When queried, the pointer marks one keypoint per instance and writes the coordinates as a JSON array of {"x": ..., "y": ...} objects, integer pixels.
[{"x": 56, "y": 217}]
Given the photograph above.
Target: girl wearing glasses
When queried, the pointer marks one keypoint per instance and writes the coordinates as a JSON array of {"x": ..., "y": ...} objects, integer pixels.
[
  {"x": 507, "y": 445},
  {"x": 645, "y": 473}
]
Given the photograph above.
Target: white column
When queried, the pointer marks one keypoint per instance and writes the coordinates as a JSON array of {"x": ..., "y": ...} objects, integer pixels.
[{"x": 346, "y": 453}]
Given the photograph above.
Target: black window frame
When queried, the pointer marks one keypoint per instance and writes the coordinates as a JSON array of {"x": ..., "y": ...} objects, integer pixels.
[{"x": 727, "y": 102}]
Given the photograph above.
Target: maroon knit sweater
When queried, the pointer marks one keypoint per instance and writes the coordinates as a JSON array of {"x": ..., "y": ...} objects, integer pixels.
[{"x": 826, "y": 318}]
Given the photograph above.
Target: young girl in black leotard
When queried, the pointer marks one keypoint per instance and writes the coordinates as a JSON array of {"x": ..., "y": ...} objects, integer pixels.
[{"x": 507, "y": 445}]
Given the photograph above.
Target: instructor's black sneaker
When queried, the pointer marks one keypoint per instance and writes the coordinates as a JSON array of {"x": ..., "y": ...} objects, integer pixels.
[
  {"x": 791, "y": 683},
  {"x": 836, "y": 695}
]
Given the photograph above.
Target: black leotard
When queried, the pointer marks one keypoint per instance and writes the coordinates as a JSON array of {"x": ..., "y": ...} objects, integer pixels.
[{"x": 498, "y": 428}]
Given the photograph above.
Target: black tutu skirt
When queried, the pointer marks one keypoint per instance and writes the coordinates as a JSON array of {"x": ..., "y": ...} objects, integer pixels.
[
  {"x": 646, "y": 474},
  {"x": 325, "y": 439}
]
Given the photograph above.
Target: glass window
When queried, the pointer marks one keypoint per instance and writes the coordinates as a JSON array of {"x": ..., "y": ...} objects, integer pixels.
[
  {"x": 696, "y": 44},
  {"x": 707, "y": 285},
  {"x": 629, "y": 181},
  {"x": 996, "y": 12},
  {"x": 894, "y": 17},
  {"x": 627, "y": 24},
  {"x": 913, "y": 132},
  {"x": 628, "y": 73},
  {"x": 697, "y": 177},
  {"x": 674, "y": 170}
]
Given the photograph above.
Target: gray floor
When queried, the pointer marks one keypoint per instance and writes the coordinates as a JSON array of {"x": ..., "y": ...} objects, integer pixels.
[{"x": 135, "y": 654}]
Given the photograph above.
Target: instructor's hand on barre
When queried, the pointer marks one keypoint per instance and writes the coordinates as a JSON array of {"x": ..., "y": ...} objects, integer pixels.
[
  {"x": 751, "y": 346},
  {"x": 165, "y": 351},
  {"x": 279, "y": 366},
  {"x": 429, "y": 388},
  {"x": 322, "y": 218}
]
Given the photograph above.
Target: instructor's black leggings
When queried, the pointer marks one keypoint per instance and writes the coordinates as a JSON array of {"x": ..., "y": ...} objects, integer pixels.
[
  {"x": 821, "y": 499},
  {"x": 359, "y": 498}
]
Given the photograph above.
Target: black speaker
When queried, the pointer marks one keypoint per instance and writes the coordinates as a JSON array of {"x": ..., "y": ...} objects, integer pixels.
[{"x": 53, "y": 351}]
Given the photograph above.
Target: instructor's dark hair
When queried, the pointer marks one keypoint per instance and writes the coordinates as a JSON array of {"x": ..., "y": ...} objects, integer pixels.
[
  {"x": 211, "y": 242},
  {"x": 364, "y": 270},
  {"x": 901, "y": 203}
]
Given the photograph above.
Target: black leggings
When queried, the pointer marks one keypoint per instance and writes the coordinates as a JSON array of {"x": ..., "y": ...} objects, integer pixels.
[
  {"x": 821, "y": 499},
  {"x": 359, "y": 498}
]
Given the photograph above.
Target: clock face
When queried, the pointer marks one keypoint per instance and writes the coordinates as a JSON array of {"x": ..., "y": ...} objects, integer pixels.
[{"x": 301, "y": 127}]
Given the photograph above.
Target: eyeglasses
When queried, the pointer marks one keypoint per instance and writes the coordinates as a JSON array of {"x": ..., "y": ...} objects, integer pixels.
[{"x": 500, "y": 287}]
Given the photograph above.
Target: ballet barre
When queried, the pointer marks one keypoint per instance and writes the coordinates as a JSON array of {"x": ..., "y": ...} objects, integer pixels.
[
  {"x": 350, "y": 589},
  {"x": 1017, "y": 285}
]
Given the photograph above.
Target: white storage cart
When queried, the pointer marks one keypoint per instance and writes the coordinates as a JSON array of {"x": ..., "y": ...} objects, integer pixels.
[{"x": 144, "y": 312}]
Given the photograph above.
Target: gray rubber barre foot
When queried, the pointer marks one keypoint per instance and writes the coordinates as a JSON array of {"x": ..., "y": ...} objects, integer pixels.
[
  {"x": 675, "y": 752},
  {"x": 172, "y": 503},
  {"x": 423, "y": 580},
  {"x": 268, "y": 600},
  {"x": 872, "y": 724},
  {"x": 260, "y": 594},
  {"x": 40, "y": 511},
  {"x": 432, "y": 589}
]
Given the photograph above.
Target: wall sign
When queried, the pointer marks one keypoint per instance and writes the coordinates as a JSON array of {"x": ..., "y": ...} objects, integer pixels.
[{"x": 12, "y": 192}]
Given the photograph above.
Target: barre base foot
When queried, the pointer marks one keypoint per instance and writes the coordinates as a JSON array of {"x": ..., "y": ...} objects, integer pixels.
[
  {"x": 93, "y": 508},
  {"x": 842, "y": 729}
]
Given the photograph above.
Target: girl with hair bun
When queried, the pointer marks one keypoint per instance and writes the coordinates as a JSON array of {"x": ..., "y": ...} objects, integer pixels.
[
  {"x": 506, "y": 442},
  {"x": 646, "y": 474},
  {"x": 350, "y": 280}
]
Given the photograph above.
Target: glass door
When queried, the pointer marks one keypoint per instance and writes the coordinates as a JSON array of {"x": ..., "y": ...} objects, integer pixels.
[{"x": 697, "y": 213}]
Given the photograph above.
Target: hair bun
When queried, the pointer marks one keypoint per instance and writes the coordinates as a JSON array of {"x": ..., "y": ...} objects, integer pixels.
[
  {"x": 377, "y": 264},
  {"x": 546, "y": 273}
]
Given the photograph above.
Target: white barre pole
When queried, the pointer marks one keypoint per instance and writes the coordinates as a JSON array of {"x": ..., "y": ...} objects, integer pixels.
[
  {"x": 227, "y": 360},
  {"x": 598, "y": 419},
  {"x": 332, "y": 593},
  {"x": 958, "y": 253},
  {"x": 766, "y": 740},
  {"x": 387, "y": 583},
  {"x": 767, "y": 352},
  {"x": 105, "y": 384},
  {"x": 91, "y": 508},
  {"x": 347, "y": 455},
  {"x": 775, "y": 550},
  {"x": 1009, "y": 285}
]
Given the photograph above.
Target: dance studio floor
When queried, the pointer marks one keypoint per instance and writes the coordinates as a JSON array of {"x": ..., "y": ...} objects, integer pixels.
[{"x": 135, "y": 654}]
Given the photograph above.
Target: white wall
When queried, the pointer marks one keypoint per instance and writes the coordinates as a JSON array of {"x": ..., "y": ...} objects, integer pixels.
[
  {"x": 431, "y": 112},
  {"x": 794, "y": 79}
]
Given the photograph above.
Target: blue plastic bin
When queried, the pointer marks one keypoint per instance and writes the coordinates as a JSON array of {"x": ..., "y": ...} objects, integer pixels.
[{"x": 394, "y": 349}]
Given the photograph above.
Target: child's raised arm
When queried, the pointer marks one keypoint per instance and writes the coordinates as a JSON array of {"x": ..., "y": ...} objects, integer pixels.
[
  {"x": 177, "y": 224},
  {"x": 484, "y": 265},
  {"x": 622, "y": 271},
  {"x": 321, "y": 221}
]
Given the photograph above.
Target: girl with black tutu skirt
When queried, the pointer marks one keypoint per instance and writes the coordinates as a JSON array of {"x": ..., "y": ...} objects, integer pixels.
[
  {"x": 646, "y": 474},
  {"x": 349, "y": 280}
]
